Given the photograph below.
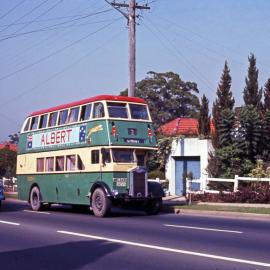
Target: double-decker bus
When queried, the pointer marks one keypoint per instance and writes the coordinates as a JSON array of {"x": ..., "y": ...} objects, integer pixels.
[{"x": 91, "y": 152}]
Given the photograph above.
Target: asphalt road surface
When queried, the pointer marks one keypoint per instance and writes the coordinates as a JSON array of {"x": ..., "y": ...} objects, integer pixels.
[{"x": 63, "y": 238}]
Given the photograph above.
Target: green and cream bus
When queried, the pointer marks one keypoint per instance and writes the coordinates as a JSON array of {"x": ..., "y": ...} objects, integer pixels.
[{"x": 91, "y": 152}]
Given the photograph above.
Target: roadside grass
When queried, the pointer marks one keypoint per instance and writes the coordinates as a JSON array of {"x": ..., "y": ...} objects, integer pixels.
[
  {"x": 11, "y": 195},
  {"x": 253, "y": 210}
]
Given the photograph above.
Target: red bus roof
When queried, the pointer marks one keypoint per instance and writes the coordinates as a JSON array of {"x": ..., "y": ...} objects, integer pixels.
[{"x": 88, "y": 100}]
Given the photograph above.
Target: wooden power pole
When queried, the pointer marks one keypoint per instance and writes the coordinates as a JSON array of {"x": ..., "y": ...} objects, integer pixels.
[{"x": 131, "y": 17}]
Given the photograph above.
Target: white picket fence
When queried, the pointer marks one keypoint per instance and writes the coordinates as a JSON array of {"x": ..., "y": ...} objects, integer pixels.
[
  {"x": 10, "y": 184},
  {"x": 205, "y": 181}
]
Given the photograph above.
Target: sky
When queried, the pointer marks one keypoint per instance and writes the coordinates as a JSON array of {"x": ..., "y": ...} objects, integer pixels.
[{"x": 58, "y": 51}]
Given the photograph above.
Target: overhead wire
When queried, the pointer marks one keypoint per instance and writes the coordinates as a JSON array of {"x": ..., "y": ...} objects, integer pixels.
[
  {"x": 38, "y": 86},
  {"x": 51, "y": 27},
  {"x": 52, "y": 38},
  {"x": 24, "y": 15},
  {"x": 180, "y": 56},
  {"x": 39, "y": 16},
  {"x": 56, "y": 52},
  {"x": 12, "y": 9}
]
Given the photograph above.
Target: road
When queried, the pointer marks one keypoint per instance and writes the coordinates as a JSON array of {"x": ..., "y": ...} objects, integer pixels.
[{"x": 66, "y": 239}]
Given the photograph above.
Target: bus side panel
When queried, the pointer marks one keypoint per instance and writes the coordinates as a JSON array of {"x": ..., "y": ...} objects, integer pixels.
[{"x": 24, "y": 185}]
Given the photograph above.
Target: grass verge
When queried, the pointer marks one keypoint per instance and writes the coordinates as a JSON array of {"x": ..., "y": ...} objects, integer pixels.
[{"x": 253, "y": 210}]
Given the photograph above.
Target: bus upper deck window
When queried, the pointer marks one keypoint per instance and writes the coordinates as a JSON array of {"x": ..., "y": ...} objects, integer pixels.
[
  {"x": 26, "y": 127},
  {"x": 117, "y": 110},
  {"x": 73, "y": 115},
  {"x": 52, "y": 119},
  {"x": 63, "y": 117},
  {"x": 98, "y": 110},
  {"x": 34, "y": 123},
  {"x": 85, "y": 112},
  {"x": 43, "y": 121},
  {"x": 138, "y": 112}
]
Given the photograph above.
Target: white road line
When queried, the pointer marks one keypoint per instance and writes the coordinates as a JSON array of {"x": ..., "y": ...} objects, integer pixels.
[
  {"x": 10, "y": 223},
  {"x": 181, "y": 251},
  {"x": 201, "y": 228},
  {"x": 37, "y": 212}
]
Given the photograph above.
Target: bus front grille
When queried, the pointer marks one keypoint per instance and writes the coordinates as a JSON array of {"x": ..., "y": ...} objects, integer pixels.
[{"x": 139, "y": 184}]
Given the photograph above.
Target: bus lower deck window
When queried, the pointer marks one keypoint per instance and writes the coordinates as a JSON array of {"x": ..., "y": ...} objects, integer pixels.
[
  {"x": 40, "y": 164},
  {"x": 49, "y": 164},
  {"x": 80, "y": 165},
  {"x": 71, "y": 163},
  {"x": 59, "y": 163},
  {"x": 95, "y": 156}
]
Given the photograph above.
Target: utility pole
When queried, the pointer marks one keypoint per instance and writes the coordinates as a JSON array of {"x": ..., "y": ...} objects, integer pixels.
[{"x": 131, "y": 18}]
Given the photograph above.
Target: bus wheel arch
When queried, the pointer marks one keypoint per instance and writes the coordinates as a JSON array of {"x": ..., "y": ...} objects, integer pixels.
[
  {"x": 35, "y": 199},
  {"x": 100, "y": 199}
]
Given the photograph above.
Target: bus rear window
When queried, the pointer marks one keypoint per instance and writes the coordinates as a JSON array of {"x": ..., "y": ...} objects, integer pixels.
[
  {"x": 138, "y": 112},
  {"x": 117, "y": 110},
  {"x": 123, "y": 156}
]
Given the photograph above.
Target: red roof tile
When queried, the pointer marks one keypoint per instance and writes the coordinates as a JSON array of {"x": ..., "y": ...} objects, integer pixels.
[
  {"x": 181, "y": 126},
  {"x": 9, "y": 146}
]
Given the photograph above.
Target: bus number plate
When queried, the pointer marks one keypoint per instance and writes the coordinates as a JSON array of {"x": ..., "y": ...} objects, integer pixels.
[{"x": 120, "y": 182}]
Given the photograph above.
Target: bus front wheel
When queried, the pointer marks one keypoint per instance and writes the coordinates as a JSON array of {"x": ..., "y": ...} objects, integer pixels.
[
  {"x": 35, "y": 199},
  {"x": 101, "y": 204}
]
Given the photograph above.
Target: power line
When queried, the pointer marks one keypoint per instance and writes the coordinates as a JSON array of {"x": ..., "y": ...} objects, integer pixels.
[
  {"x": 42, "y": 41},
  {"x": 23, "y": 16},
  {"x": 53, "y": 76},
  {"x": 55, "y": 52},
  {"x": 39, "y": 16},
  {"x": 51, "y": 27},
  {"x": 181, "y": 57},
  {"x": 12, "y": 9}
]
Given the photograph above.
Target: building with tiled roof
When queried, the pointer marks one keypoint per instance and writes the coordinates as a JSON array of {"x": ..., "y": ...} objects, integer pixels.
[{"x": 189, "y": 154}]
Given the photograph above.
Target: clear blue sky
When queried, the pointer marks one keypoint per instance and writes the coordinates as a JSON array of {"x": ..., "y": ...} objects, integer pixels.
[{"x": 58, "y": 51}]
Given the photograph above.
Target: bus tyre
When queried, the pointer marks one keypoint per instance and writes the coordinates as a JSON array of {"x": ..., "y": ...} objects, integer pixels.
[
  {"x": 154, "y": 206},
  {"x": 101, "y": 204},
  {"x": 35, "y": 199}
]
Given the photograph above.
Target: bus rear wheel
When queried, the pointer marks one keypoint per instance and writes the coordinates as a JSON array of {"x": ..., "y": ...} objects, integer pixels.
[
  {"x": 154, "y": 206},
  {"x": 35, "y": 199},
  {"x": 101, "y": 204}
]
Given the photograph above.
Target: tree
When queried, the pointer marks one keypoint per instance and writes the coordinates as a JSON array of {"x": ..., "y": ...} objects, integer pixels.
[
  {"x": 265, "y": 149},
  {"x": 249, "y": 132},
  {"x": 7, "y": 163},
  {"x": 266, "y": 93},
  {"x": 14, "y": 138},
  {"x": 224, "y": 101},
  {"x": 226, "y": 127},
  {"x": 204, "y": 118},
  {"x": 252, "y": 94},
  {"x": 168, "y": 96}
]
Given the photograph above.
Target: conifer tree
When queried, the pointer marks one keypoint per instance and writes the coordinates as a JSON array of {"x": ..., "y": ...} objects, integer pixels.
[
  {"x": 223, "y": 101},
  {"x": 204, "y": 118},
  {"x": 252, "y": 94},
  {"x": 266, "y": 93}
]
